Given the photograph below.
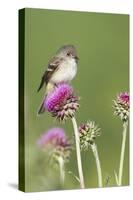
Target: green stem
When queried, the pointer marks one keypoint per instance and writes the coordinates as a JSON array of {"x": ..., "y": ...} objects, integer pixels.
[
  {"x": 79, "y": 162},
  {"x": 62, "y": 170},
  {"x": 122, "y": 153},
  {"x": 99, "y": 172}
]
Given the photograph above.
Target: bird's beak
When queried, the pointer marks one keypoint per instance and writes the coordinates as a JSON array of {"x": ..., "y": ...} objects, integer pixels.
[{"x": 76, "y": 57}]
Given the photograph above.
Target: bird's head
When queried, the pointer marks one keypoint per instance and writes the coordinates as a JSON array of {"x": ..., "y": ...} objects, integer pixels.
[{"x": 68, "y": 51}]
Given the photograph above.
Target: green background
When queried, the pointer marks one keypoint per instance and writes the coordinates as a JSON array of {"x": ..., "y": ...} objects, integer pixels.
[{"x": 102, "y": 42}]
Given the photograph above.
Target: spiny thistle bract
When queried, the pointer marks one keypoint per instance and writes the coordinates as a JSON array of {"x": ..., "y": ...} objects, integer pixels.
[
  {"x": 121, "y": 106},
  {"x": 62, "y": 103},
  {"x": 56, "y": 144},
  {"x": 88, "y": 133}
]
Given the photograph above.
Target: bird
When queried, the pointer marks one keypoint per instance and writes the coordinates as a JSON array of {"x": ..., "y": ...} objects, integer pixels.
[{"x": 62, "y": 68}]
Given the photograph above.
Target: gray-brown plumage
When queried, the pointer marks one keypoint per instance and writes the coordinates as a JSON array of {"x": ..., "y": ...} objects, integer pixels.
[
  {"x": 61, "y": 68},
  {"x": 52, "y": 67}
]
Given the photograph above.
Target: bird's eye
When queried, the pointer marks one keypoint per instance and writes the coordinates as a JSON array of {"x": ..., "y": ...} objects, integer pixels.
[{"x": 68, "y": 54}]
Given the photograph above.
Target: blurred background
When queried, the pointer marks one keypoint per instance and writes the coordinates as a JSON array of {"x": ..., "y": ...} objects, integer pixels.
[{"x": 102, "y": 42}]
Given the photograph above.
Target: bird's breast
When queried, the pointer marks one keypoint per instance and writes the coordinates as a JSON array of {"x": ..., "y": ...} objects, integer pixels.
[{"x": 66, "y": 72}]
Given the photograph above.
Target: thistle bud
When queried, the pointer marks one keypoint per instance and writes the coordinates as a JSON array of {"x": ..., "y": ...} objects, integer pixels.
[
  {"x": 121, "y": 106},
  {"x": 88, "y": 133}
]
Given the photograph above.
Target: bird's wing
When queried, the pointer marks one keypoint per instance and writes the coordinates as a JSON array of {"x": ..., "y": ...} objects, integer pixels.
[{"x": 52, "y": 67}]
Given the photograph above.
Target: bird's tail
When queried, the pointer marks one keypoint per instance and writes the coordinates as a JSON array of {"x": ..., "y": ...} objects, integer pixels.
[
  {"x": 41, "y": 109},
  {"x": 49, "y": 88}
]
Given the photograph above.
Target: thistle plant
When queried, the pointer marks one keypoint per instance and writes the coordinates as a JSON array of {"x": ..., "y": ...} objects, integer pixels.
[
  {"x": 121, "y": 109},
  {"x": 62, "y": 103},
  {"x": 58, "y": 147},
  {"x": 121, "y": 106},
  {"x": 88, "y": 134}
]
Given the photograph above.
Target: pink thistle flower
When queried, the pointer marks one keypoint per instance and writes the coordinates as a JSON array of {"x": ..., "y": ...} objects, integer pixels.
[
  {"x": 54, "y": 136},
  {"x": 62, "y": 102},
  {"x": 55, "y": 142},
  {"x": 123, "y": 98},
  {"x": 122, "y": 106}
]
